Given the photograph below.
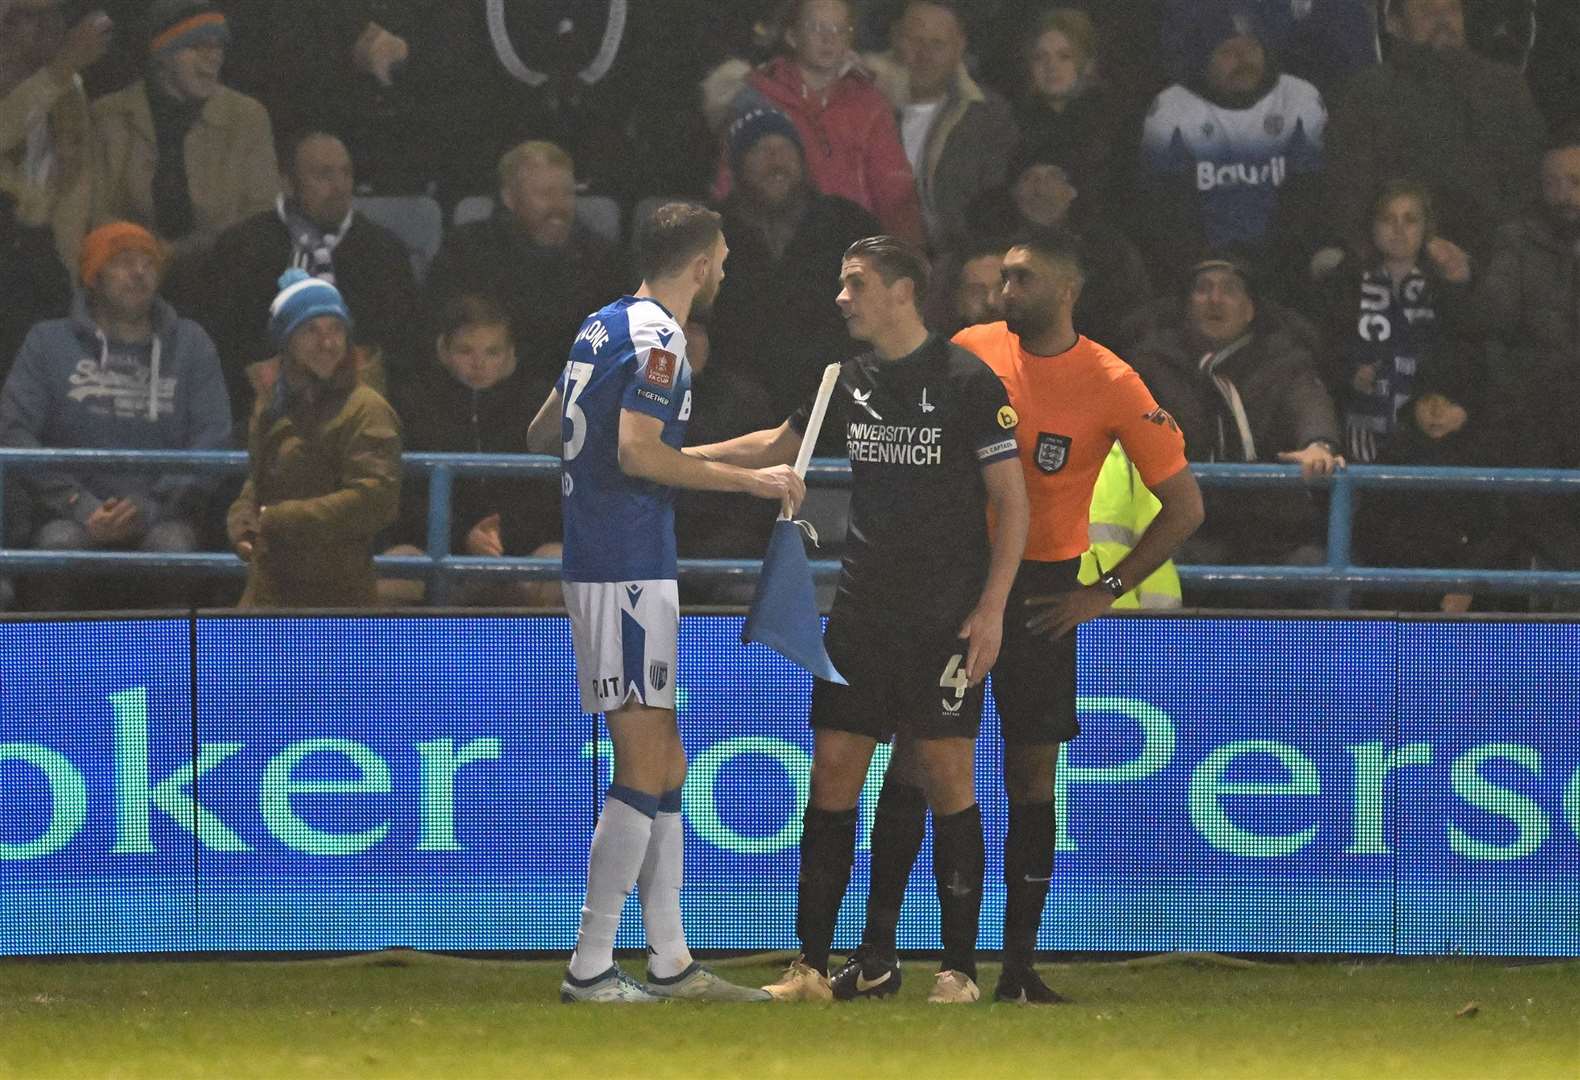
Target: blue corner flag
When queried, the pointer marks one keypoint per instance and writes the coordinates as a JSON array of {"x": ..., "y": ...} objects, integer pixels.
[{"x": 784, "y": 613}]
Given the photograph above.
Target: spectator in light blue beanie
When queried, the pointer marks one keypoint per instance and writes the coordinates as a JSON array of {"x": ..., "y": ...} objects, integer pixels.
[
  {"x": 301, "y": 298},
  {"x": 310, "y": 325}
]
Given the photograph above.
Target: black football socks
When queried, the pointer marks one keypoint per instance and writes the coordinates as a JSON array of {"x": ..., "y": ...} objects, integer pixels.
[
  {"x": 828, "y": 847},
  {"x": 1028, "y": 866},
  {"x": 898, "y": 826},
  {"x": 958, "y": 867}
]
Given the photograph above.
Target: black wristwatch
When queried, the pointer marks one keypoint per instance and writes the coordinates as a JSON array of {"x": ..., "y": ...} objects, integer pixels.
[{"x": 1113, "y": 584}]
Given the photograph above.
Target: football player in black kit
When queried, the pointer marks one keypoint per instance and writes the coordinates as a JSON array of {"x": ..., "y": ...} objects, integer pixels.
[{"x": 918, "y": 616}]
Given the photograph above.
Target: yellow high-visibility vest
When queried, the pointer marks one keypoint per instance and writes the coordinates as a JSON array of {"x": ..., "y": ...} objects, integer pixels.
[{"x": 1122, "y": 508}]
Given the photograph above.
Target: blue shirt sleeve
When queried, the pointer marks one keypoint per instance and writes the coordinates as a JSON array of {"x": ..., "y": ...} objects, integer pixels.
[{"x": 653, "y": 383}]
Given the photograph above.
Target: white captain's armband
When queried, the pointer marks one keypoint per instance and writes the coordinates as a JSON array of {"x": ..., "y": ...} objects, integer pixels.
[{"x": 997, "y": 450}]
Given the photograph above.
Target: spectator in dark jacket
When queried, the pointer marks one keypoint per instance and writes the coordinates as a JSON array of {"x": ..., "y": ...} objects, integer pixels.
[
  {"x": 1238, "y": 376},
  {"x": 123, "y": 372},
  {"x": 1439, "y": 114},
  {"x": 1047, "y": 189},
  {"x": 1390, "y": 312},
  {"x": 774, "y": 319},
  {"x": 32, "y": 279},
  {"x": 545, "y": 268},
  {"x": 474, "y": 399},
  {"x": 312, "y": 227},
  {"x": 1528, "y": 301},
  {"x": 1066, "y": 106},
  {"x": 1127, "y": 34},
  {"x": 1443, "y": 425}
]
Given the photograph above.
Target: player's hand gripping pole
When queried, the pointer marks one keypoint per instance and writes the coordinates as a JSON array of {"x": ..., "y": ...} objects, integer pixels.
[{"x": 784, "y": 612}]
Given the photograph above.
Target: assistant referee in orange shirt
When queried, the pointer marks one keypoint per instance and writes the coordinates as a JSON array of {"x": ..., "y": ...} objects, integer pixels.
[{"x": 1074, "y": 399}]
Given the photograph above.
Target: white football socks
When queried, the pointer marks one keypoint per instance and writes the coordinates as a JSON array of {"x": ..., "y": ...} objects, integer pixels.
[
  {"x": 659, "y": 890},
  {"x": 620, "y": 842}
]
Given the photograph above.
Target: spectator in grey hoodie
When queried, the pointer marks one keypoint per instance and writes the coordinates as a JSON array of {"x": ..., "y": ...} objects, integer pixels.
[{"x": 123, "y": 371}]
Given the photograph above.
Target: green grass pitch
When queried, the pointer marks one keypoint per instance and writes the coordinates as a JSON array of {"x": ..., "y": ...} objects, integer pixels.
[{"x": 414, "y": 1015}]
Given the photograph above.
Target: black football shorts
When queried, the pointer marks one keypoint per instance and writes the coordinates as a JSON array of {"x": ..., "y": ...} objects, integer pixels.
[
  {"x": 904, "y": 679},
  {"x": 1034, "y": 679}
]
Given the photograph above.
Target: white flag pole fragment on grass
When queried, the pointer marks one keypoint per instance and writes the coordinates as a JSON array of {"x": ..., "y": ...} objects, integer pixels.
[{"x": 784, "y": 613}]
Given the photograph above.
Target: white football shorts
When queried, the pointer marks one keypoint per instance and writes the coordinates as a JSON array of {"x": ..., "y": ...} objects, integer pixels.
[{"x": 624, "y": 633}]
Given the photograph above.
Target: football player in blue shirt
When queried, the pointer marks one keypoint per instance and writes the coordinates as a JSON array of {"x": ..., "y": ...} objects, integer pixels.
[{"x": 618, "y": 418}]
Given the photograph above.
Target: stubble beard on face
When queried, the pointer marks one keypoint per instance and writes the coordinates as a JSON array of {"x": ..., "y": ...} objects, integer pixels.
[
  {"x": 1027, "y": 323},
  {"x": 702, "y": 303}
]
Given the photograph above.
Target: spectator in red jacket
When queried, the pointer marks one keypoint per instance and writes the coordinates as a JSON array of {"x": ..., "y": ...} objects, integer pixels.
[{"x": 847, "y": 126}]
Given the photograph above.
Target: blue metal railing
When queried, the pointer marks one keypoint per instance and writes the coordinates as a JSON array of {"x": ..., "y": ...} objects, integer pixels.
[{"x": 440, "y": 567}]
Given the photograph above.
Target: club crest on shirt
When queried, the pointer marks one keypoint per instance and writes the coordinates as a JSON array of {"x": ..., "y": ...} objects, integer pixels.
[
  {"x": 864, "y": 399},
  {"x": 1052, "y": 451},
  {"x": 661, "y": 367},
  {"x": 657, "y": 674}
]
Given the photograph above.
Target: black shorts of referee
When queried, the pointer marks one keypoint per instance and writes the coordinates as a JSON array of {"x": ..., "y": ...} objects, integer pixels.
[{"x": 1034, "y": 679}]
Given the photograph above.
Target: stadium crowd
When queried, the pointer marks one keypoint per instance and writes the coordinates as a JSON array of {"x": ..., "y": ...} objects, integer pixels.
[{"x": 1323, "y": 231}]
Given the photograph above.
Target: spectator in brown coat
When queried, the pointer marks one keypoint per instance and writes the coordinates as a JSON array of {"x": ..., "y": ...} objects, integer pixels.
[{"x": 326, "y": 467}]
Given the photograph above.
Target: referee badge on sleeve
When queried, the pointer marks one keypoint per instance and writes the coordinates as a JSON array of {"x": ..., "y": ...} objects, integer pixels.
[{"x": 1052, "y": 451}]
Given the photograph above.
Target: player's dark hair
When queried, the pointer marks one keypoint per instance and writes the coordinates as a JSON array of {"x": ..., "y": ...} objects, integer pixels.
[
  {"x": 472, "y": 309},
  {"x": 893, "y": 259},
  {"x": 672, "y": 235},
  {"x": 1057, "y": 245}
]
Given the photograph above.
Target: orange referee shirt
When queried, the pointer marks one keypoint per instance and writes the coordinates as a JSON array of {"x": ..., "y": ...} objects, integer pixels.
[{"x": 1072, "y": 407}]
